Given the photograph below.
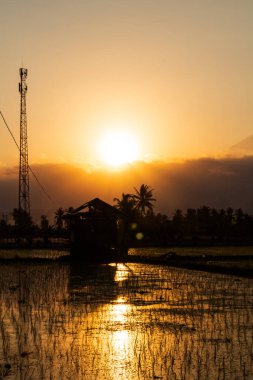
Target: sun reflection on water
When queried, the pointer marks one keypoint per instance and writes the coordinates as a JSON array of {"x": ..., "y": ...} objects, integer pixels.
[
  {"x": 121, "y": 353},
  {"x": 122, "y": 272},
  {"x": 144, "y": 323},
  {"x": 121, "y": 338},
  {"x": 119, "y": 310}
]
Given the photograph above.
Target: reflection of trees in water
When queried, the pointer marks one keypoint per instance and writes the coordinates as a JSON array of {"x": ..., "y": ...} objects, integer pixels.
[
  {"x": 45, "y": 311},
  {"x": 34, "y": 285},
  {"x": 92, "y": 283},
  {"x": 100, "y": 284},
  {"x": 123, "y": 322}
]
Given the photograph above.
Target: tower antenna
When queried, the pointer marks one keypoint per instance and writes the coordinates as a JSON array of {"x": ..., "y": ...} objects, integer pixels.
[{"x": 24, "y": 192}]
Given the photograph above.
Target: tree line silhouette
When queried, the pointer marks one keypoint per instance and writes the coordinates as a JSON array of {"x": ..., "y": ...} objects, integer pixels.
[{"x": 144, "y": 227}]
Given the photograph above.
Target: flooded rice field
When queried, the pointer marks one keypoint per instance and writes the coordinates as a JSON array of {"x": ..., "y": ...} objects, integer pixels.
[
  {"x": 123, "y": 321},
  {"x": 194, "y": 251}
]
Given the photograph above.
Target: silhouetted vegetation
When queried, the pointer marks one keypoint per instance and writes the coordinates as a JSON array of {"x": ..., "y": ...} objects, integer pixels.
[
  {"x": 23, "y": 221},
  {"x": 20, "y": 230},
  {"x": 59, "y": 218},
  {"x": 201, "y": 226},
  {"x": 195, "y": 226},
  {"x": 144, "y": 200}
]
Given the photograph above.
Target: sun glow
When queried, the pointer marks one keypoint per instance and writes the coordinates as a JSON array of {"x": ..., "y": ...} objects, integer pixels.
[{"x": 118, "y": 148}]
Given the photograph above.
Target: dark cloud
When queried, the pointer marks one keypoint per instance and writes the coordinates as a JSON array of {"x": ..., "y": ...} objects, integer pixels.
[{"x": 218, "y": 183}]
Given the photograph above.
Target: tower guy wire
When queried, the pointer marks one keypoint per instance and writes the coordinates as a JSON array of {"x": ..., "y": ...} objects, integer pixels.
[{"x": 31, "y": 170}]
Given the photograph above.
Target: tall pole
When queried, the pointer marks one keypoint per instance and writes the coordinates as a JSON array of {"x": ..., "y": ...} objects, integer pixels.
[{"x": 24, "y": 193}]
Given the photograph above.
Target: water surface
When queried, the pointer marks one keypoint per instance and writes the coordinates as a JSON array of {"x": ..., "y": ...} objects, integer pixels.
[{"x": 123, "y": 321}]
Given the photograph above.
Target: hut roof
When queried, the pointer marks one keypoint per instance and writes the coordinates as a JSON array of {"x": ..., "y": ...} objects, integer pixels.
[{"x": 96, "y": 205}]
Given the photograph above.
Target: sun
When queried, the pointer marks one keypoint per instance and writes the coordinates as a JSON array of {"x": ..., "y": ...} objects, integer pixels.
[{"x": 117, "y": 148}]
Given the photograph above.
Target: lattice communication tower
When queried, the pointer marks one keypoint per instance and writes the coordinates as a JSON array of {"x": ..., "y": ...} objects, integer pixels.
[{"x": 24, "y": 192}]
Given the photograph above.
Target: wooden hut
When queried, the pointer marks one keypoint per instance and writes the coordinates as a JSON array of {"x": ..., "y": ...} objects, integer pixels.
[{"x": 96, "y": 231}]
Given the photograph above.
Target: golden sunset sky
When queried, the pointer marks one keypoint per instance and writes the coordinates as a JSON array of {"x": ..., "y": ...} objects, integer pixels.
[{"x": 175, "y": 74}]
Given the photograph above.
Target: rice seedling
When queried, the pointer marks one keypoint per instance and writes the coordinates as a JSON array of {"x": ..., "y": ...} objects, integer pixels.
[{"x": 121, "y": 321}]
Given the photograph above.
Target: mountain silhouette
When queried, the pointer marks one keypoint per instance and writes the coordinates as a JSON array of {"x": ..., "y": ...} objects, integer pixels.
[{"x": 244, "y": 147}]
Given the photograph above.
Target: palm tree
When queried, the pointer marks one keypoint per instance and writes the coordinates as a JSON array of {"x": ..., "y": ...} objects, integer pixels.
[
  {"x": 67, "y": 220},
  {"x": 126, "y": 204},
  {"x": 144, "y": 199},
  {"x": 44, "y": 223},
  {"x": 178, "y": 222},
  {"x": 58, "y": 216}
]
